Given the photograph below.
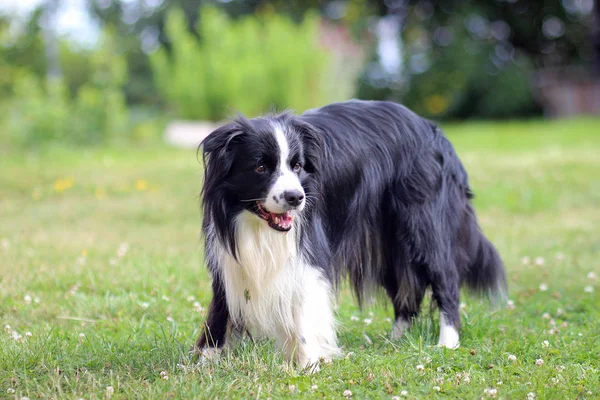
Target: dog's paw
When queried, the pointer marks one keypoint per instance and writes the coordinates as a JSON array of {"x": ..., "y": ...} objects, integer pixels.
[
  {"x": 400, "y": 326},
  {"x": 310, "y": 366},
  {"x": 449, "y": 340},
  {"x": 448, "y": 334},
  {"x": 208, "y": 355},
  {"x": 450, "y": 345}
]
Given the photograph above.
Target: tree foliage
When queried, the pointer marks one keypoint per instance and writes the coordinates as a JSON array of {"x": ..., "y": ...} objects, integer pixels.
[{"x": 250, "y": 65}]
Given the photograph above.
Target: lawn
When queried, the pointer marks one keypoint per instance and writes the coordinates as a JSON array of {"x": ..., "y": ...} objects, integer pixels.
[{"x": 103, "y": 287}]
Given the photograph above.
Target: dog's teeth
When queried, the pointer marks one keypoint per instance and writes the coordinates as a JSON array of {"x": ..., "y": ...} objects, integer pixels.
[{"x": 276, "y": 220}]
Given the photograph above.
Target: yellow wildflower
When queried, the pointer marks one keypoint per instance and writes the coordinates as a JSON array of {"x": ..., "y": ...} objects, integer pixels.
[{"x": 141, "y": 185}]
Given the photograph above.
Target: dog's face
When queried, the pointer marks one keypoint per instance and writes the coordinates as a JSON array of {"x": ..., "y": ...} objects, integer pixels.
[{"x": 262, "y": 166}]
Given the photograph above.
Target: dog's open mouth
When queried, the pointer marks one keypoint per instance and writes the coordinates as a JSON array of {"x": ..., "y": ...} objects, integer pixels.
[{"x": 280, "y": 222}]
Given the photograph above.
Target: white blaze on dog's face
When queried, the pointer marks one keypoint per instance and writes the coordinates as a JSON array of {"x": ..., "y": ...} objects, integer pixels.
[
  {"x": 285, "y": 196},
  {"x": 287, "y": 192}
]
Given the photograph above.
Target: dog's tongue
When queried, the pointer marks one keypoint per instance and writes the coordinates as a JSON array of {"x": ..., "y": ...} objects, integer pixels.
[{"x": 283, "y": 220}]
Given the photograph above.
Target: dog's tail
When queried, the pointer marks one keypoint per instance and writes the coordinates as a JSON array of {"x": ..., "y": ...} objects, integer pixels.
[{"x": 485, "y": 274}]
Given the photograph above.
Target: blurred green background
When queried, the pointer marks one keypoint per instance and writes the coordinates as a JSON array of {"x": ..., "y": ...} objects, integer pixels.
[
  {"x": 102, "y": 284},
  {"x": 89, "y": 72}
]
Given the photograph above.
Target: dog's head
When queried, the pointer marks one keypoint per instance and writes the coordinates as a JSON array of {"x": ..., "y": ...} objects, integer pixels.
[{"x": 266, "y": 166}]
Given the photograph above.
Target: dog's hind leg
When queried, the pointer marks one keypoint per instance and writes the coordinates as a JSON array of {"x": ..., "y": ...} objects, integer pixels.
[
  {"x": 407, "y": 295},
  {"x": 446, "y": 292}
]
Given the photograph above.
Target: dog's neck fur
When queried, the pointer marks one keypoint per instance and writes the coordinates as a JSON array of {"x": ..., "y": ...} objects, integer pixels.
[{"x": 261, "y": 285}]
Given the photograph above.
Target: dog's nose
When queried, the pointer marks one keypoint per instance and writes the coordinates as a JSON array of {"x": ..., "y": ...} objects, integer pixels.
[{"x": 293, "y": 197}]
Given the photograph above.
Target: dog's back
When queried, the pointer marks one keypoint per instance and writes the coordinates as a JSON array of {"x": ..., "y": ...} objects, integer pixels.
[{"x": 397, "y": 206}]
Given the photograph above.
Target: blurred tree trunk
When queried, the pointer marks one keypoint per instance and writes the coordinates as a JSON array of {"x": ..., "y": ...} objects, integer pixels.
[
  {"x": 596, "y": 35},
  {"x": 50, "y": 41}
]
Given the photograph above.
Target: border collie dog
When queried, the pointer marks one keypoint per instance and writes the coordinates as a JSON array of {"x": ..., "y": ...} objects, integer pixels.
[{"x": 363, "y": 190}]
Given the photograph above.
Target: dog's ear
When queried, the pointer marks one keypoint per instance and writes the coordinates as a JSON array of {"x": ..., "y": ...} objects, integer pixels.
[
  {"x": 216, "y": 150},
  {"x": 312, "y": 141}
]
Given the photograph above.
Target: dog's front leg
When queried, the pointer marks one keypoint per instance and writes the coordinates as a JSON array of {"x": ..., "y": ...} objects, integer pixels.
[
  {"x": 212, "y": 339},
  {"x": 314, "y": 337}
]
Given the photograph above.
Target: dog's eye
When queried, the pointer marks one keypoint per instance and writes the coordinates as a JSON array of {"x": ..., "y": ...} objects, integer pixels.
[
  {"x": 260, "y": 169},
  {"x": 297, "y": 167}
]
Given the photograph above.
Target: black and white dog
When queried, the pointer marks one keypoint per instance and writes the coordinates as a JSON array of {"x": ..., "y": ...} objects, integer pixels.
[{"x": 366, "y": 190}]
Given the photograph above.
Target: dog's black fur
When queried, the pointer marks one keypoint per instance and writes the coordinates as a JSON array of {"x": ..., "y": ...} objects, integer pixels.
[{"x": 389, "y": 205}]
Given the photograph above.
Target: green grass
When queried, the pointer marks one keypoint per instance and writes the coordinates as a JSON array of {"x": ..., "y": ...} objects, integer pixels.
[{"x": 98, "y": 318}]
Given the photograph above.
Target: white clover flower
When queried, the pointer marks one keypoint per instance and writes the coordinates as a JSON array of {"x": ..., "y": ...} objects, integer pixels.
[
  {"x": 354, "y": 318},
  {"x": 109, "y": 391},
  {"x": 420, "y": 368},
  {"x": 543, "y": 287},
  {"x": 123, "y": 248},
  {"x": 512, "y": 357},
  {"x": 545, "y": 344},
  {"x": 347, "y": 393},
  {"x": 404, "y": 393},
  {"x": 368, "y": 321},
  {"x": 197, "y": 307},
  {"x": 540, "y": 261},
  {"x": 530, "y": 396},
  {"x": 588, "y": 289},
  {"x": 510, "y": 305},
  {"x": 539, "y": 362}
]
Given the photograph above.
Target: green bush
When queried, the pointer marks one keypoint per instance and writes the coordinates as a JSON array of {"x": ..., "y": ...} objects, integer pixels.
[
  {"x": 40, "y": 111},
  {"x": 248, "y": 65}
]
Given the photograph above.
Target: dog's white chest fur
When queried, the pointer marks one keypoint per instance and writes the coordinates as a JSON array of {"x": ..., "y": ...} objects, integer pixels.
[{"x": 267, "y": 283}]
